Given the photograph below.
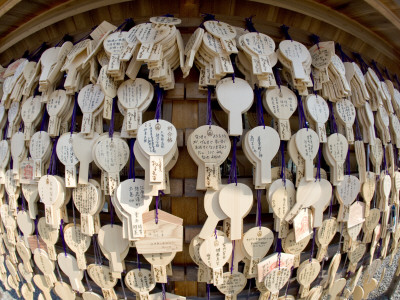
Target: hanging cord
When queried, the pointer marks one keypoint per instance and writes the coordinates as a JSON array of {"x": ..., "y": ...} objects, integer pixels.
[
  {"x": 313, "y": 244},
  {"x": 302, "y": 117},
  {"x": 62, "y": 236},
  {"x": 35, "y": 55},
  {"x": 343, "y": 55},
  {"x": 358, "y": 130},
  {"x": 131, "y": 172},
  {"x": 376, "y": 69},
  {"x": 73, "y": 117},
  {"x": 363, "y": 65},
  {"x": 86, "y": 36},
  {"x": 283, "y": 163},
  {"x": 65, "y": 38},
  {"x": 112, "y": 121},
  {"x": 397, "y": 81},
  {"x": 233, "y": 255},
  {"x": 207, "y": 17},
  {"x": 87, "y": 281},
  {"x": 259, "y": 208},
  {"x": 332, "y": 119},
  {"x": 159, "y": 93},
  {"x": 210, "y": 90},
  {"x": 249, "y": 25},
  {"x": 52, "y": 170},
  {"x": 126, "y": 25},
  {"x": 279, "y": 250},
  {"x": 387, "y": 74},
  {"x": 233, "y": 173},
  {"x": 315, "y": 39},
  {"x": 123, "y": 287},
  {"x": 36, "y": 231},
  {"x": 318, "y": 175},
  {"x": 259, "y": 107},
  {"x": 348, "y": 162},
  {"x": 285, "y": 31},
  {"x": 158, "y": 202}
]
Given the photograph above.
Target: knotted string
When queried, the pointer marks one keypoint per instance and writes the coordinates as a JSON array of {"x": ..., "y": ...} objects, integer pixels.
[
  {"x": 332, "y": 118},
  {"x": 21, "y": 126},
  {"x": 112, "y": 121},
  {"x": 343, "y": 55},
  {"x": 160, "y": 193},
  {"x": 159, "y": 93},
  {"x": 285, "y": 30},
  {"x": 62, "y": 236},
  {"x": 210, "y": 90},
  {"x": 207, "y": 17},
  {"x": 375, "y": 66},
  {"x": 249, "y": 25},
  {"x": 233, "y": 255},
  {"x": 259, "y": 208},
  {"x": 315, "y": 39},
  {"x": 131, "y": 172},
  {"x": 259, "y": 107},
  {"x": 233, "y": 172},
  {"x": 73, "y": 118},
  {"x": 125, "y": 25}
]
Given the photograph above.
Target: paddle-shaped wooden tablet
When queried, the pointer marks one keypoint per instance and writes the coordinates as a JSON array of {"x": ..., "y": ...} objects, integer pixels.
[
  {"x": 83, "y": 151},
  {"x": 77, "y": 242},
  {"x": 233, "y": 284},
  {"x": 49, "y": 236},
  {"x": 323, "y": 202},
  {"x": 264, "y": 144},
  {"x": 114, "y": 246},
  {"x": 277, "y": 279},
  {"x": 236, "y": 202},
  {"x": 256, "y": 243},
  {"x": 102, "y": 276},
  {"x": 307, "y": 143},
  {"x": 64, "y": 291},
  {"x": 214, "y": 213},
  {"x": 306, "y": 274},
  {"x": 140, "y": 281},
  {"x": 281, "y": 103},
  {"x": 215, "y": 252},
  {"x": 325, "y": 234},
  {"x": 235, "y": 97},
  {"x": 319, "y": 111},
  {"x": 90, "y": 99},
  {"x": 67, "y": 157},
  {"x": 69, "y": 266}
]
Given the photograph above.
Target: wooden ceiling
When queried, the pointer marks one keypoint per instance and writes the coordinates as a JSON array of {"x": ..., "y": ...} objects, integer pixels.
[{"x": 370, "y": 27}]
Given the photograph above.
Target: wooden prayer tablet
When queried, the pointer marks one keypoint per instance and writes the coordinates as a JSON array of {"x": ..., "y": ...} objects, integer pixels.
[
  {"x": 69, "y": 266},
  {"x": 140, "y": 281},
  {"x": 113, "y": 246},
  {"x": 77, "y": 242},
  {"x": 235, "y": 97},
  {"x": 64, "y": 291},
  {"x": 272, "y": 262},
  {"x": 82, "y": 147},
  {"x": 49, "y": 235},
  {"x": 215, "y": 252},
  {"x": 102, "y": 276},
  {"x": 281, "y": 103},
  {"x": 236, "y": 202},
  {"x": 233, "y": 284},
  {"x": 306, "y": 274},
  {"x": 277, "y": 279},
  {"x": 307, "y": 143},
  {"x": 290, "y": 246}
]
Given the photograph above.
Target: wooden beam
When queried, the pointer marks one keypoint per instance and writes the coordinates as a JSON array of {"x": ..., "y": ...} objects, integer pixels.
[
  {"x": 385, "y": 11},
  {"x": 6, "y": 5},
  {"x": 51, "y": 16},
  {"x": 330, "y": 16}
]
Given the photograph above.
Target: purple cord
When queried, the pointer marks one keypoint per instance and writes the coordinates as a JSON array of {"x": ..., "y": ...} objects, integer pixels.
[
  {"x": 73, "y": 211},
  {"x": 288, "y": 283},
  {"x": 285, "y": 30},
  {"x": 283, "y": 164},
  {"x": 375, "y": 66},
  {"x": 259, "y": 107},
  {"x": 73, "y": 118},
  {"x": 233, "y": 255},
  {"x": 313, "y": 244},
  {"x": 279, "y": 250},
  {"x": 112, "y": 213},
  {"x": 87, "y": 280},
  {"x": 22, "y": 201},
  {"x": 302, "y": 117},
  {"x": 112, "y": 121},
  {"x": 53, "y": 159},
  {"x": 5, "y": 130},
  {"x": 249, "y": 24},
  {"x": 332, "y": 121},
  {"x": 358, "y": 130},
  {"x": 62, "y": 236},
  {"x": 44, "y": 120},
  {"x": 159, "y": 92},
  {"x": 36, "y": 231},
  {"x": 138, "y": 260},
  {"x": 312, "y": 80},
  {"x": 209, "y": 108},
  {"x": 163, "y": 291},
  {"x": 131, "y": 172},
  {"x": 157, "y": 204},
  {"x": 384, "y": 160},
  {"x": 277, "y": 77},
  {"x": 233, "y": 172},
  {"x": 208, "y": 291},
  {"x": 368, "y": 151},
  {"x": 259, "y": 208},
  {"x": 318, "y": 175}
]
